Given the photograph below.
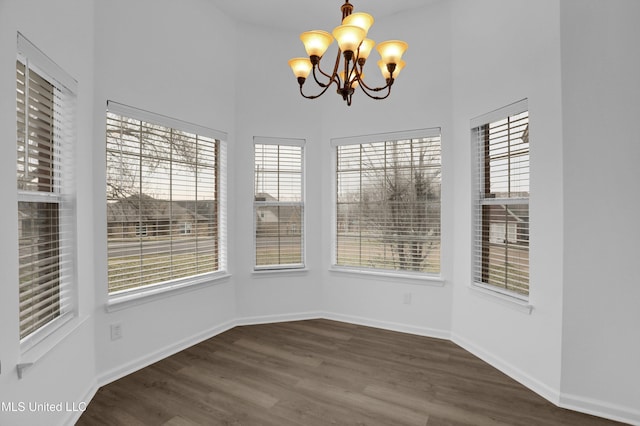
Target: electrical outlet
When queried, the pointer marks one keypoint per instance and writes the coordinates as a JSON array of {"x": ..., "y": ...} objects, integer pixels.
[
  {"x": 116, "y": 331},
  {"x": 407, "y": 299}
]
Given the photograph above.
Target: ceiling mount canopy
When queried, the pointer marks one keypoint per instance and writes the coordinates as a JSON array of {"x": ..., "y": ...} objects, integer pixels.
[{"x": 353, "y": 52}]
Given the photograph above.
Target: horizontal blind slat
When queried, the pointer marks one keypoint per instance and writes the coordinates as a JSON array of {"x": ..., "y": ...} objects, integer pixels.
[
  {"x": 162, "y": 211},
  {"x": 46, "y": 213},
  {"x": 388, "y": 205},
  {"x": 501, "y": 212},
  {"x": 278, "y": 205}
]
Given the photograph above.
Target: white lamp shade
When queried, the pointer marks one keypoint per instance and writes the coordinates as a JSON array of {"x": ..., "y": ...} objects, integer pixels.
[
  {"x": 362, "y": 20},
  {"x": 391, "y": 51},
  {"x": 301, "y": 67},
  {"x": 316, "y": 42},
  {"x": 385, "y": 72},
  {"x": 365, "y": 48},
  {"x": 349, "y": 37}
]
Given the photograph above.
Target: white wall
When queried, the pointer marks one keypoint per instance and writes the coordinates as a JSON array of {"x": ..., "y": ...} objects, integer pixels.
[
  {"x": 269, "y": 105},
  {"x": 175, "y": 59},
  {"x": 66, "y": 373},
  {"x": 504, "y": 51},
  {"x": 601, "y": 151}
]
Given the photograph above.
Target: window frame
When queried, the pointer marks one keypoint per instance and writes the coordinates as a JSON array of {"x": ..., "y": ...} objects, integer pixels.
[
  {"x": 61, "y": 191},
  {"x": 481, "y": 237},
  {"x": 119, "y": 299},
  {"x": 416, "y": 277},
  {"x": 286, "y": 142}
]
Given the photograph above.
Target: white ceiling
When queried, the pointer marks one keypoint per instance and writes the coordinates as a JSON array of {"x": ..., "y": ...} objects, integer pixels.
[{"x": 303, "y": 15}]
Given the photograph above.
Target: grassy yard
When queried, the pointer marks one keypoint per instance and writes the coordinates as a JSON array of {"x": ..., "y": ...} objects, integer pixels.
[
  {"x": 134, "y": 271},
  {"x": 375, "y": 253}
]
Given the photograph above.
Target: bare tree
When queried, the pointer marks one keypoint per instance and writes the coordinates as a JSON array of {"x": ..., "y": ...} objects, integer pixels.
[{"x": 404, "y": 203}]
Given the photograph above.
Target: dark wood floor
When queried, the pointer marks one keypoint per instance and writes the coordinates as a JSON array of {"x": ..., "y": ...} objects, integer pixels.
[{"x": 321, "y": 372}]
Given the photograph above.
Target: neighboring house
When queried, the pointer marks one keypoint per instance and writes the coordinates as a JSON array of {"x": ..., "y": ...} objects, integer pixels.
[
  {"x": 277, "y": 219},
  {"x": 145, "y": 216},
  {"x": 509, "y": 224}
]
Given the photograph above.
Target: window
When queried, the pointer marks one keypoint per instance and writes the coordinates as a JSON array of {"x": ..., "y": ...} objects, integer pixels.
[
  {"x": 501, "y": 231},
  {"x": 388, "y": 202},
  {"x": 165, "y": 193},
  {"x": 45, "y": 100},
  {"x": 278, "y": 203}
]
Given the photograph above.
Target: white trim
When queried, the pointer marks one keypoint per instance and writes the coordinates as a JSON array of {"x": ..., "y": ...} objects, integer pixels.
[
  {"x": 41, "y": 334},
  {"x": 272, "y": 319},
  {"x": 384, "y": 137},
  {"x": 137, "y": 296},
  {"x": 267, "y": 140},
  {"x": 412, "y": 278},
  {"x": 500, "y": 113},
  {"x": 495, "y": 294},
  {"x": 600, "y": 408},
  {"x": 74, "y": 416},
  {"x": 174, "y": 123},
  {"x": 276, "y": 269},
  {"x": 223, "y": 222},
  {"x": 146, "y": 360},
  {"x": 388, "y": 325},
  {"x": 547, "y": 392},
  {"x": 572, "y": 402},
  {"x": 56, "y": 331},
  {"x": 38, "y": 59}
]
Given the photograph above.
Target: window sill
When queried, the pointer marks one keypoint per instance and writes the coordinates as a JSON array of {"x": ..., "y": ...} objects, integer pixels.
[
  {"x": 418, "y": 279},
  {"x": 259, "y": 273},
  {"x": 35, "y": 352},
  {"x": 135, "y": 297},
  {"x": 513, "y": 302}
]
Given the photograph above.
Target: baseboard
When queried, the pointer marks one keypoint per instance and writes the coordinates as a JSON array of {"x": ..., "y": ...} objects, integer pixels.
[
  {"x": 158, "y": 355},
  {"x": 137, "y": 364},
  {"x": 269, "y": 319},
  {"x": 74, "y": 416},
  {"x": 600, "y": 408},
  {"x": 542, "y": 389},
  {"x": 563, "y": 400},
  {"x": 387, "y": 325}
]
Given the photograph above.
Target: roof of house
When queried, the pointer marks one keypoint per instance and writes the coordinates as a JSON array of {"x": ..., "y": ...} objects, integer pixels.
[{"x": 146, "y": 208}]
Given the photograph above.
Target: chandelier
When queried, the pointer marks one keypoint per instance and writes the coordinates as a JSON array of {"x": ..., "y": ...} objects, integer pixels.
[{"x": 354, "y": 47}]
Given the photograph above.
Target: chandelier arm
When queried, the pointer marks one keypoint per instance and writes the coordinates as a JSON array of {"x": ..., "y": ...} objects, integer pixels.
[
  {"x": 377, "y": 89},
  {"x": 365, "y": 87},
  {"x": 318, "y": 82},
  {"x": 333, "y": 78},
  {"x": 315, "y": 96},
  {"x": 321, "y": 72},
  {"x": 336, "y": 65}
]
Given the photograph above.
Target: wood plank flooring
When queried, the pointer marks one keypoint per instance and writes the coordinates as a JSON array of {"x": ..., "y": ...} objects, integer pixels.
[{"x": 322, "y": 372}]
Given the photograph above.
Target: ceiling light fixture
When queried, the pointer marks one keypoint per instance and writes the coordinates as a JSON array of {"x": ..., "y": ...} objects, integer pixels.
[{"x": 355, "y": 48}]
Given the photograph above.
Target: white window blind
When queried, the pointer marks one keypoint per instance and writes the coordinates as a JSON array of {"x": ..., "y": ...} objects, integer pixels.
[
  {"x": 388, "y": 202},
  {"x": 165, "y": 212},
  {"x": 501, "y": 230},
  {"x": 278, "y": 203},
  {"x": 45, "y": 106}
]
